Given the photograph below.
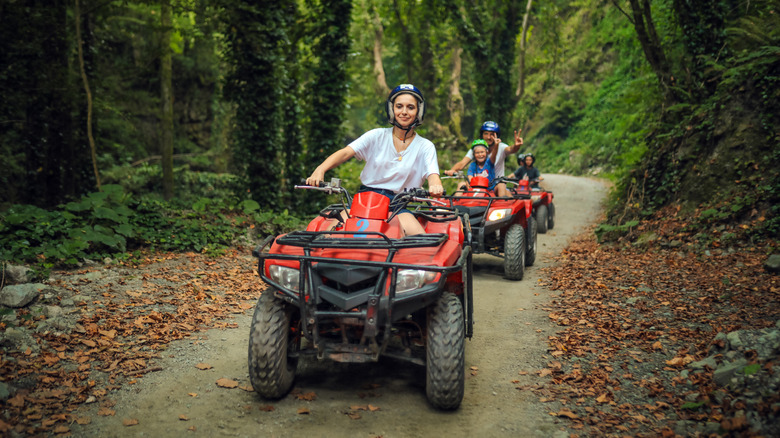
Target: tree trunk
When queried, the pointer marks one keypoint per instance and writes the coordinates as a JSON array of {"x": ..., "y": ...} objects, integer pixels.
[
  {"x": 166, "y": 96},
  {"x": 521, "y": 62},
  {"x": 455, "y": 102},
  {"x": 642, "y": 19},
  {"x": 90, "y": 137},
  {"x": 379, "y": 69}
]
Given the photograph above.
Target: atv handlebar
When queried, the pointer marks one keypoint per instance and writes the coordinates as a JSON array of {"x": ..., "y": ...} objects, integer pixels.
[{"x": 334, "y": 186}]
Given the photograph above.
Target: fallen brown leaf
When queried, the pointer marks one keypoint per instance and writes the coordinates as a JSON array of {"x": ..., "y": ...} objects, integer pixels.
[
  {"x": 227, "y": 383},
  {"x": 567, "y": 413},
  {"x": 105, "y": 412}
]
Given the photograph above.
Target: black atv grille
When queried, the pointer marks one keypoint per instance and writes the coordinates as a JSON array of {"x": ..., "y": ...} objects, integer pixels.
[
  {"x": 346, "y": 286},
  {"x": 345, "y": 277}
]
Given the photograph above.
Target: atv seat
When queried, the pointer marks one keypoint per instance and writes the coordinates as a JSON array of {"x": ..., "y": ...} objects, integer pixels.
[{"x": 475, "y": 213}]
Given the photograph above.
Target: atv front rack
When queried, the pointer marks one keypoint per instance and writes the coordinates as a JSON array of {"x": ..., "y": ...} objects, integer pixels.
[{"x": 328, "y": 239}]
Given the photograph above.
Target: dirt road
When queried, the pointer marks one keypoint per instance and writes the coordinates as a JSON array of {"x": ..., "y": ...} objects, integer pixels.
[{"x": 386, "y": 399}]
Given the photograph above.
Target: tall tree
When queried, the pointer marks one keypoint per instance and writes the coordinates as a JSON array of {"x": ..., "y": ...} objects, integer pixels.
[
  {"x": 521, "y": 61},
  {"x": 166, "y": 98},
  {"x": 489, "y": 30},
  {"x": 381, "y": 86}
]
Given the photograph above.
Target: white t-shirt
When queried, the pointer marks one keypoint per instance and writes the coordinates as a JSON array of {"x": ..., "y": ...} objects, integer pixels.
[
  {"x": 386, "y": 168},
  {"x": 500, "y": 158}
]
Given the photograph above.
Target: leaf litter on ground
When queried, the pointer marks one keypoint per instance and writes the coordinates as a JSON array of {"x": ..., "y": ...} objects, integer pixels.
[
  {"x": 125, "y": 321},
  {"x": 632, "y": 318}
]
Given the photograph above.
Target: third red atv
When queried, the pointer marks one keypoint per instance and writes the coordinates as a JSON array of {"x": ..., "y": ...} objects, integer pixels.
[
  {"x": 544, "y": 209},
  {"x": 501, "y": 226}
]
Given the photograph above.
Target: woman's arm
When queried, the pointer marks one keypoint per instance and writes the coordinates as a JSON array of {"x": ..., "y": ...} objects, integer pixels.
[{"x": 334, "y": 160}]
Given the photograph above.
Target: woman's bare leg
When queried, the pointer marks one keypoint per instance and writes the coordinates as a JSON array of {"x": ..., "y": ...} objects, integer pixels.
[{"x": 410, "y": 224}]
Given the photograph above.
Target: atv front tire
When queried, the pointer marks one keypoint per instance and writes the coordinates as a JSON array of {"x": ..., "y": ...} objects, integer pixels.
[
  {"x": 530, "y": 244},
  {"x": 542, "y": 219},
  {"x": 271, "y": 370},
  {"x": 445, "y": 356},
  {"x": 514, "y": 252}
]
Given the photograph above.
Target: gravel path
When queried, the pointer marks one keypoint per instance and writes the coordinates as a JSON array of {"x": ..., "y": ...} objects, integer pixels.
[{"x": 368, "y": 400}]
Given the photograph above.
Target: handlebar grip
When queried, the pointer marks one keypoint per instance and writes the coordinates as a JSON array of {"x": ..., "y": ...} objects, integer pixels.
[{"x": 304, "y": 183}]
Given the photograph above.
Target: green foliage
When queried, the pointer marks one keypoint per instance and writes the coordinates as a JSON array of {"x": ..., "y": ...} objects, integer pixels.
[
  {"x": 111, "y": 223},
  {"x": 715, "y": 147}
]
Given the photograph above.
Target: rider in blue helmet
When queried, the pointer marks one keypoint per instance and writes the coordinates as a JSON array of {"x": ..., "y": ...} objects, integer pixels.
[
  {"x": 397, "y": 158},
  {"x": 498, "y": 150}
]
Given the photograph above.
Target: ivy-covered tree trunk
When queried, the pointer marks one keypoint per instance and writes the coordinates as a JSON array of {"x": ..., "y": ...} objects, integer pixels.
[
  {"x": 293, "y": 134},
  {"x": 256, "y": 36},
  {"x": 328, "y": 90}
]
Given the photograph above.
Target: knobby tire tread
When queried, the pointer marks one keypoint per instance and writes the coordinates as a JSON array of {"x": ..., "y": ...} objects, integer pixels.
[
  {"x": 531, "y": 241},
  {"x": 514, "y": 253},
  {"x": 551, "y": 217},
  {"x": 542, "y": 219},
  {"x": 269, "y": 371},
  {"x": 445, "y": 355}
]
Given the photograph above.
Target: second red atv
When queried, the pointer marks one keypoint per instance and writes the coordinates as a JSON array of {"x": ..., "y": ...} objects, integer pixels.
[
  {"x": 501, "y": 226},
  {"x": 351, "y": 288}
]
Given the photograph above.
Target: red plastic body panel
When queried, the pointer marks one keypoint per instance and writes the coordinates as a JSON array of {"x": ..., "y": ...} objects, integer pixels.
[
  {"x": 479, "y": 181},
  {"x": 370, "y": 205}
]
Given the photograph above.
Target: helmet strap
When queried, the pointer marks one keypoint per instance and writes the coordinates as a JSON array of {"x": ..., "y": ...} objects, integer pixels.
[{"x": 406, "y": 130}]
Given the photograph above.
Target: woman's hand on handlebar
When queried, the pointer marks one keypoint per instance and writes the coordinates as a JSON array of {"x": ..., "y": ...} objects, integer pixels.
[
  {"x": 435, "y": 190},
  {"x": 316, "y": 178}
]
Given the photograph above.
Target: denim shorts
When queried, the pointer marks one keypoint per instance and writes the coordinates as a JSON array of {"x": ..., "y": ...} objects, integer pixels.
[{"x": 389, "y": 194}]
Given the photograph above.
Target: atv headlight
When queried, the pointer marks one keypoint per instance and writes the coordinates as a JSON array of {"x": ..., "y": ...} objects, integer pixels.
[
  {"x": 286, "y": 277},
  {"x": 499, "y": 214},
  {"x": 411, "y": 279}
]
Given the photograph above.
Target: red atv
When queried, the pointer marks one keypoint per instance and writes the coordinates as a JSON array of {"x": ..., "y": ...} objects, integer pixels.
[
  {"x": 351, "y": 288},
  {"x": 544, "y": 209},
  {"x": 500, "y": 226}
]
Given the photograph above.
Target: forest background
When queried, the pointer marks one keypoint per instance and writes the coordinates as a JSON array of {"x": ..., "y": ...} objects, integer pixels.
[{"x": 180, "y": 125}]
